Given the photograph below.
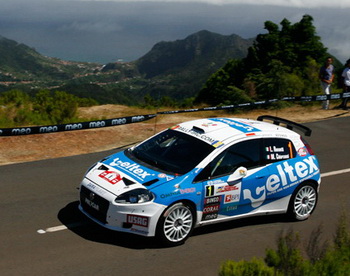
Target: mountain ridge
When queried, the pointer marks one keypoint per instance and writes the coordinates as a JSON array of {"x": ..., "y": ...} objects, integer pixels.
[{"x": 175, "y": 69}]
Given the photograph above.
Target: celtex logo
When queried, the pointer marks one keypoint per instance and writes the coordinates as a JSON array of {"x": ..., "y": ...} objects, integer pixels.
[
  {"x": 288, "y": 175},
  {"x": 130, "y": 167}
]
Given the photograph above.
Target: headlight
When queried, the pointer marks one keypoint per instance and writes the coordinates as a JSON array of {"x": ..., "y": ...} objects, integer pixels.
[{"x": 135, "y": 196}]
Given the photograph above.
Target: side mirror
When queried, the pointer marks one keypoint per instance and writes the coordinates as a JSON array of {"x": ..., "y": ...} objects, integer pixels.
[{"x": 237, "y": 176}]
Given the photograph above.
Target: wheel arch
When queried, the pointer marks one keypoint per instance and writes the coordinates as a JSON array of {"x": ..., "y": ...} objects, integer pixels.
[{"x": 186, "y": 202}]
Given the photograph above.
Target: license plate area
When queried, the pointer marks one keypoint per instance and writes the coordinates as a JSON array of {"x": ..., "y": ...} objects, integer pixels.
[{"x": 93, "y": 204}]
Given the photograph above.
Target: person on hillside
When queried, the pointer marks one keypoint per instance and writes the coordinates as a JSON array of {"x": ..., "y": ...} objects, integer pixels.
[
  {"x": 346, "y": 83},
  {"x": 326, "y": 76}
]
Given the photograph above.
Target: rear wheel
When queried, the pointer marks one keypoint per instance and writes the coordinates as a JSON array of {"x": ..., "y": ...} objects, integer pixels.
[
  {"x": 303, "y": 201},
  {"x": 175, "y": 225}
]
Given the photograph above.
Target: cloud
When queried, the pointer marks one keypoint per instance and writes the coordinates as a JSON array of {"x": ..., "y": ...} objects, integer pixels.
[
  {"x": 281, "y": 3},
  {"x": 103, "y": 31}
]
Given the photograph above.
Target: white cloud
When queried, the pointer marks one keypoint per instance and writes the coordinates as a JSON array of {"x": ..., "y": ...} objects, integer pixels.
[{"x": 280, "y": 3}]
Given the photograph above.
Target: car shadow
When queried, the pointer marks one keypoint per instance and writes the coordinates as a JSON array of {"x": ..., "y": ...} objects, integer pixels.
[{"x": 78, "y": 223}]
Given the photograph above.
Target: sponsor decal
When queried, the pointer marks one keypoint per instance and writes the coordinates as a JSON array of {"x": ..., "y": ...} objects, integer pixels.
[
  {"x": 179, "y": 192},
  {"x": 212, "y": 200},
  {"x": 137, "y": 220},
  {"x": 21, "y": 131},
  {"x": 217, "y": 181},
  {"x": 133, "y": 168},
  {"x": 118, "y": 121},
  {"x": 209, "y": 124},
  {"x": 187, "y": 190},
  {"x": 200, "y": 136},
  {"x": 236, "y": 125},
  {"x": 288, "y": 175},
  {"x": 211, "y": 207},
  {"x": 302, "y": 152},
  {"x": 47, "y": 129},
  {"x": 170, "y": 194},
  {"x": 226, "y": 188},
  {"x": 230, "y": 208},
  {"x": 110, "y": 176},
  {"x": 229, "y": 198}
]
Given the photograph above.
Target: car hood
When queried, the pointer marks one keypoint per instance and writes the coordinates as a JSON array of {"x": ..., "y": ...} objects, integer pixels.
[{"x": 119, "y": 174}]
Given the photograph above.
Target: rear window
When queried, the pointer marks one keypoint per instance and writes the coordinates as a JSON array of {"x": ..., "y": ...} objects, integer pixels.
[{"x": 276, "y": 149}]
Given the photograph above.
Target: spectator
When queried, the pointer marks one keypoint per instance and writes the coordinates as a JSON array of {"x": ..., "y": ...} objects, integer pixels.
[
  {"x": 346, "y": 83},
  {"x": 326, "y": 76}
]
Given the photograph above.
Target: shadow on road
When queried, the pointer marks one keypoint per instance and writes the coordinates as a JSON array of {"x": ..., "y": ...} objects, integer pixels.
[{"x": 75, "y": 221}]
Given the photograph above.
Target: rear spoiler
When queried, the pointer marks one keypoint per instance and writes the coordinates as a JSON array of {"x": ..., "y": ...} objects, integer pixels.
[{"x": 288, "y": 124}]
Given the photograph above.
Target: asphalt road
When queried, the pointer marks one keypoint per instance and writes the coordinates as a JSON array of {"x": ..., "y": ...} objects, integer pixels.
[{"x": 43, "y": 195}]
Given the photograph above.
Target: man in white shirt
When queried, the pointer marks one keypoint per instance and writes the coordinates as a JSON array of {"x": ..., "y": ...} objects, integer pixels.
[
  {"x": 346, "y": 82},
  {"x": 326, "y": 76}
]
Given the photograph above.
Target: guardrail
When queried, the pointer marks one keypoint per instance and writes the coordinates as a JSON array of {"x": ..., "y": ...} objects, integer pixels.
[{"x": 140, "y": 118}]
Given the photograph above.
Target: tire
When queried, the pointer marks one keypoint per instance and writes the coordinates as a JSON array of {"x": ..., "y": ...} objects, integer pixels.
[
  {"x": 175, "y": 225},
  {"x": 303, "y": 202}
]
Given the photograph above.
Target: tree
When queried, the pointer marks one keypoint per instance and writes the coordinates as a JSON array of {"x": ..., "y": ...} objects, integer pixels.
[{"x": 282, "y": 62}]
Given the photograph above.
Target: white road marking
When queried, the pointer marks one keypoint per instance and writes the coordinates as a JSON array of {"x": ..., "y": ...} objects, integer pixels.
[
  {"x": 335, "y": 172},
  {"x": 60, "y": 228},
  {"x": 77, "y": 224}
]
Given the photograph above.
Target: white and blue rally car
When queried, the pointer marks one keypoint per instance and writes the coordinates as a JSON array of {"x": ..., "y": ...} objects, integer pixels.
[{"x": 201, "y": 172}]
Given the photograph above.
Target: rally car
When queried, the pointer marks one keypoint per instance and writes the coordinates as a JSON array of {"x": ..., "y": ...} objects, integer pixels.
[{"x": 201, "y": 172}]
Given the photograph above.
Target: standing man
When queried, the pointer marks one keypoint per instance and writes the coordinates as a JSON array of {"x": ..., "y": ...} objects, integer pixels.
[
  {"x": 346, "y": 82},
  {"x": 326, "y": 76}
]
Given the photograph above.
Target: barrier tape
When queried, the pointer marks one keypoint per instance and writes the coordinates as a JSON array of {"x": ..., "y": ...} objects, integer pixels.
[
  {"x": 141, "y": 118},
  {"x": 75, "y": 126},
  {"x": 297, "y": 98}
]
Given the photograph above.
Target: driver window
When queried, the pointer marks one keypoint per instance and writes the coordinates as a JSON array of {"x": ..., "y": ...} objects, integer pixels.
[{"x": 246, "y": 154}]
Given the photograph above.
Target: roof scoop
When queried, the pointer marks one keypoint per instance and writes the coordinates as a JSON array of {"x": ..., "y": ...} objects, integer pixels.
[{"x": 198, "y": 129}]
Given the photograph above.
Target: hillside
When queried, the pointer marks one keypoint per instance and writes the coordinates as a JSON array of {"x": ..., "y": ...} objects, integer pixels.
[
  {"x": 22, "y": 65},
  {"x": 180, "y": 68},
  {"x": 176, "y": 69},
  {"x": 195, "y": 51}
]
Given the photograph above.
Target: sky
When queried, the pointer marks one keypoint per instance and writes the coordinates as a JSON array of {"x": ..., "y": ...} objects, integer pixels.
[{"x": 109, "y": 30}]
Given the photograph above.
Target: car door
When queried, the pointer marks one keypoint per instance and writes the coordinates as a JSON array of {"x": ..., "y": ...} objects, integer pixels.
[{"x": 232, "y": 182}]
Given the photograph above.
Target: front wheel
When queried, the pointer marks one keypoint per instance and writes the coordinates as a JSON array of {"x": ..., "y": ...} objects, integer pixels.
[
  {"x": 303, "y": 202},
  {"x": 175, "y": 225}
]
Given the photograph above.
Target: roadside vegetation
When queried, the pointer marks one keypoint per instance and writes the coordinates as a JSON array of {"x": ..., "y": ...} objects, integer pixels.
[
  {"x": 290, "y": 258},
  {"x": 18, "y": 108},
  {"x": 283, "y": 62}
]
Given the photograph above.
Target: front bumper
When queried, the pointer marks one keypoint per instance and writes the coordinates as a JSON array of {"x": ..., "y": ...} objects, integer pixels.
[{"x": 99, "y": 205}]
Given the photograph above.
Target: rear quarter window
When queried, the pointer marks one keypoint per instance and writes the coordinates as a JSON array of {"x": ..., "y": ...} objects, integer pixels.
[{"x": 277, "y": 149}]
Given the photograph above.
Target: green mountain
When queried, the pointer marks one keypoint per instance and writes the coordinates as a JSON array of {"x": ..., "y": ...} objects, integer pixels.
[
  {"x": 180, "y": 68},
  {"x": 20, "y": 64},
  {"x": 197, "y": 50},
  {"x": 176, "y": 69}
]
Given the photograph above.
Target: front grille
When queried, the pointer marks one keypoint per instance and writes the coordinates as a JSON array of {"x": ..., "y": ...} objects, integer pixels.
[{"x": 93, "y": 204}]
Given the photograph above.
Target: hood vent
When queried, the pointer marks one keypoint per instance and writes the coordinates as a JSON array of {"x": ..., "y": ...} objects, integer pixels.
[{"x": 149, "y": 183}]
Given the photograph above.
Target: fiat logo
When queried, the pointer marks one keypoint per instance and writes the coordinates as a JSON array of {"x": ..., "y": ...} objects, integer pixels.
[{"x": 92, "y": 196}]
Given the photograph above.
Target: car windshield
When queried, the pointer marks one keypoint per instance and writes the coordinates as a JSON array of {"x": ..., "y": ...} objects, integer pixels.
[{"x": 172, "y": 152}]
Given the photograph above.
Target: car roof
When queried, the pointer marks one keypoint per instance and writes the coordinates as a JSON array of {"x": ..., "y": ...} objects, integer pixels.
[{"x": 222, "y": 130}]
